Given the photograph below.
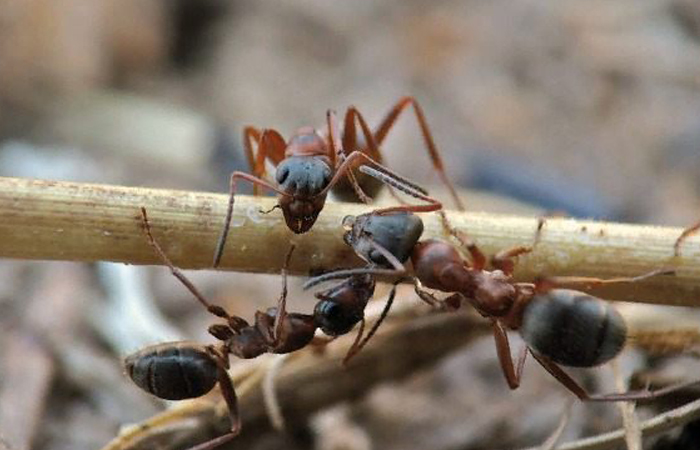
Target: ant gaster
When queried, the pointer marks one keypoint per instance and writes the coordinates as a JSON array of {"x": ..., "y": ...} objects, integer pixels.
[
  {"x": 559, "y": 326},
  {"x": 309, "y": 165}
]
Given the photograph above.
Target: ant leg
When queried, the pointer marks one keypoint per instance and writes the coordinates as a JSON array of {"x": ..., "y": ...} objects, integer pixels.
[
  {"x": 229, "y": 394},
  {"x": 282, "y": 302},
  {"x": 229, "y": 212},
  {"x": 478, "y": 257},
  {"x": 512, "y": 373},
  {"x": 218, "y": 311},
  {"x": 371, "y": 148},
  {"x": 354, "y": 350},
  {"x": 338, "y": 154},
  {"x": 684, "y": 235},
  {"x": 355, "y": 343},
  {"x": 545, "y": 284},
  {"x": 568, "y": 382},
  {"x": 504, "y": 260},
  {"x": 433, "y": 152},
  {"x": 270, "y": 144}
]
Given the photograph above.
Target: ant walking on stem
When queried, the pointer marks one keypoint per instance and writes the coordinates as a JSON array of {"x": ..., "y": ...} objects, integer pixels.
[
  {"x": 560, "y": 326},
  {"x": 309, "y": 165}
]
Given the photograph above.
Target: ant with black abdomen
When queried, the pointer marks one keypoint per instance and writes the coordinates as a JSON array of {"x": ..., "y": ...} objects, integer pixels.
[
  {"x": 185, "y": 370},
  {"x": 559, "y": 325}
]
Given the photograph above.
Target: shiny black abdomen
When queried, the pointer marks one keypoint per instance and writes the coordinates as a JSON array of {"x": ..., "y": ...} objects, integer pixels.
[
  {"x": 573, "y": 328},
  {"x": 173, "y": 371}
]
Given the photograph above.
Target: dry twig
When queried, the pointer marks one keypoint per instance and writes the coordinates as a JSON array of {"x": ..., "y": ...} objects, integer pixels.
[{"x": 84, "y": 222}]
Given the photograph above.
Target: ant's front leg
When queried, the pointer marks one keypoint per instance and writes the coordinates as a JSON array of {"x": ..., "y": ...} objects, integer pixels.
[{"x": 218, "y": 253}]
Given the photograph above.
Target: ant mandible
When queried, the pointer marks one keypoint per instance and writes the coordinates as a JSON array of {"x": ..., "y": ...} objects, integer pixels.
[
  {"x": 309, "y": 165},
  {"x": 560, "y": 326}
]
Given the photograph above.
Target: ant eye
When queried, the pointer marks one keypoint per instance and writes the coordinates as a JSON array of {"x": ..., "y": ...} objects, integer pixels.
[
  {"x": 330, "y": 311},
  {"x": 282, "y": 174},
  {"x": 348, "y": 222}
]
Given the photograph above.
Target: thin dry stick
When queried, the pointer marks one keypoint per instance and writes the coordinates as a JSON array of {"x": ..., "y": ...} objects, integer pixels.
[
  {"x": 657, "y": 425},
  {"x": 87, "y": 222}
]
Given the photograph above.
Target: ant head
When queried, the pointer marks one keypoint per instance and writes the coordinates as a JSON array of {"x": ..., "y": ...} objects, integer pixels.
[{"x": 335, "y": 318}]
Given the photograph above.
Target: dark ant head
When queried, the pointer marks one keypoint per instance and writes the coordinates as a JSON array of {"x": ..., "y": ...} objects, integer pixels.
[
  {"x": 304, "y": 178},
  {"x": 343, "y": 306},
  {"x": 335, "y": 318},
  {"x": 173, "y": 371},
  {"x": 573, "y": 328},
  {"x": 396, "y": 232},
  {"x": 301, "y": 214}
]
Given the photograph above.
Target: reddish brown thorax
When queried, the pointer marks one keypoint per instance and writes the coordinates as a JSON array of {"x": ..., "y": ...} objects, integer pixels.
[{"x": 306, "y": 142}]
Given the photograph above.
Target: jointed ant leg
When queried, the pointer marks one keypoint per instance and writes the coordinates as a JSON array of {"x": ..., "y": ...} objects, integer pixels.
[
  {"x": 338, "y": 154},
  {"x": 478, "y": 257},
  {"x": 684, "y": 235},
  {"x": 213, "y": 309},
  {"x": 354, "y": 350},
  {"x": 433, "y": 152},
  {"x": 229, "y": 394},
  {"x": 504, "y": 260},
  {"x": 512, "y": 373},
  {"x": 218, "y": 253},
  {"x": 282, "y": 302},
  {"x": 270, "y": 144},
  {"x": 546, "y": 283},
  {"x": 568, "y": 382}
]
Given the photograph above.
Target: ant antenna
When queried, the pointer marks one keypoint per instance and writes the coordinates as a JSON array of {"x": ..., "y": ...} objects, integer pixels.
[{"x": 355, "y": 349}]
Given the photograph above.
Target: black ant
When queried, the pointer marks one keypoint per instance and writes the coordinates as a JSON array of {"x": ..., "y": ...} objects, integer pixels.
[
  {"x": 184, "y": 370},
  {"x": 559, "y": 326},
  {"x": 309, "y": 165}
]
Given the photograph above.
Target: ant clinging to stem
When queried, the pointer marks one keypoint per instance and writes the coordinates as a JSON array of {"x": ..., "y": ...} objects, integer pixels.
[
  {"x": 560, "y": 326},
  {"x": 185, "y": 370},
  {"x": 309, "y": 165}
]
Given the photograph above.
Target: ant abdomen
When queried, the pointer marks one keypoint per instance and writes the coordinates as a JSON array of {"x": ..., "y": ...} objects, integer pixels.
[
  {"x": 173, "y": 371},
  {"x": 573, "y": 328}
]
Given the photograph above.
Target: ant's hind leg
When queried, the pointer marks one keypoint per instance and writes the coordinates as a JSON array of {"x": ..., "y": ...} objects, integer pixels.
[
  {"x": 569, "y": 383},
  {"x": 218, "y": 253},
  {"x": 545, "y": 284},
  {"x": 432, "y": 149}
]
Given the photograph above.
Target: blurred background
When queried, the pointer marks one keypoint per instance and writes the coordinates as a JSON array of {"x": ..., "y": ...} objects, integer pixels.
[{"x": 586, "y": 107}]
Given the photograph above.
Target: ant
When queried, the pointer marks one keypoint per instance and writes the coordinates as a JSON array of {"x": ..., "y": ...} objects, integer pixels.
[
  {"x": 559, "y": 326},
  {"x": 184, "y": 370},
  {"x": 309, "y": 165}
]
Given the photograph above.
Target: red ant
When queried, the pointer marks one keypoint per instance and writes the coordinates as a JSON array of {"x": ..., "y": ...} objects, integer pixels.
[
  {"x": 309, "y": 165},
  {"x": 559, "y": 326},
  {"x": 183, "y": 370}
]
